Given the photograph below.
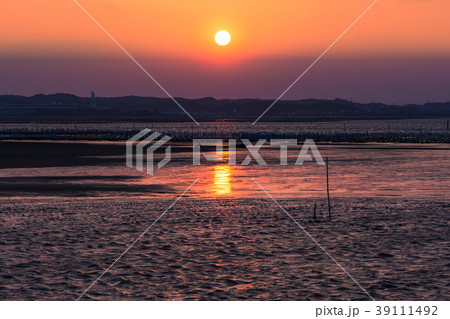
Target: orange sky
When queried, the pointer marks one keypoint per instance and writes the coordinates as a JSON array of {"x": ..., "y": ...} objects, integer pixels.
[
  {"x": 398, "y": 52},
  {"x": 258, "y": 28}
]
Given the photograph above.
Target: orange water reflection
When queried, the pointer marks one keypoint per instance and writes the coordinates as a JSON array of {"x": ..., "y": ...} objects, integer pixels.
[{"x": 222, "y": 179}]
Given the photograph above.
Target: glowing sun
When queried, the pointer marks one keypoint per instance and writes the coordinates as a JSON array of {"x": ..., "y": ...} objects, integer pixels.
[{"x": 223, "y": 38}]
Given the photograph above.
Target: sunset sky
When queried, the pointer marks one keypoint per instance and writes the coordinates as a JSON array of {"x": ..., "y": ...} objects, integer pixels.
[{"x": 399, "y": 52}]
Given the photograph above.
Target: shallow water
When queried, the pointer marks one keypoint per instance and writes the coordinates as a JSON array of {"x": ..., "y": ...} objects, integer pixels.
[
  {"x": 61, "y": 227},
  {"x": 355, "y": 170}
]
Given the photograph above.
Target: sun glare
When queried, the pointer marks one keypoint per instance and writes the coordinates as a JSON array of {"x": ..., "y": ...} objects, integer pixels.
[
  {"x": 222, "y": 179},
  {"x": 223, "y": 38}
]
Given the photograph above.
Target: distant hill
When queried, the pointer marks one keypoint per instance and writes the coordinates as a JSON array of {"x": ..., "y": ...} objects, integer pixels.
[{"x": 72, "y": 107}]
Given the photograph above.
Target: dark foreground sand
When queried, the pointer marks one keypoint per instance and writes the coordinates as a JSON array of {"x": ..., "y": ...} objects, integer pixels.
[{"x": 223, "y": 249}]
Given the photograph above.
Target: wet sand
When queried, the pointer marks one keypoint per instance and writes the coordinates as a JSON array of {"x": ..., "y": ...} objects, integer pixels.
[
  {"x": 221, "y": 249},
  {"x": 28, "y": 154}
]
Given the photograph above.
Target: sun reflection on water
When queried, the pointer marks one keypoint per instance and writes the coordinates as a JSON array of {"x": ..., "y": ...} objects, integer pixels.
[{"x": 222, "y": 179}]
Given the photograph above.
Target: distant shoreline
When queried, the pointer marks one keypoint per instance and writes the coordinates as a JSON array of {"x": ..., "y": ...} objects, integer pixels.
[
  {"x": 69, "y": 107},
  {"x": 184, "y": 119}
]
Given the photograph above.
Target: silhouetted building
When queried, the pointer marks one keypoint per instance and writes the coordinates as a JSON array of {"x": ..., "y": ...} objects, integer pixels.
[{"x": 92, "y": 102}]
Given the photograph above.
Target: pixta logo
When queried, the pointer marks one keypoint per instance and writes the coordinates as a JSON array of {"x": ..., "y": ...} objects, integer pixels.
[
  {"x": 253, "y": 149},
  {"x": 147, "y": 142}
]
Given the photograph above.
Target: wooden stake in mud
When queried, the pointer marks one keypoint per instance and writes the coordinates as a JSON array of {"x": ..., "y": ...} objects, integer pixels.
[{"x": 328, "y": 190}]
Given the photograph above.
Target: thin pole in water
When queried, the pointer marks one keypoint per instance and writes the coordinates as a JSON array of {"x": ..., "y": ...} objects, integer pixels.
[
  {"x": 315, "y": 206},
  {"x": 328, "y": 190}
]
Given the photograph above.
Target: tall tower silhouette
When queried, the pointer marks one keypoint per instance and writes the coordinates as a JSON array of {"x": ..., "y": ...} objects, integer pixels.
[{"x": 92, "y": 102}]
